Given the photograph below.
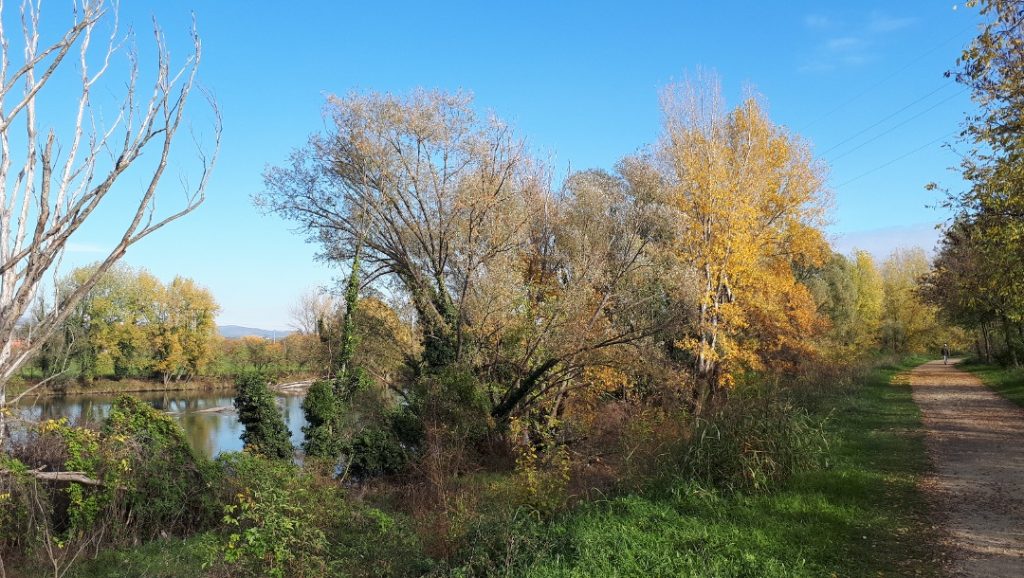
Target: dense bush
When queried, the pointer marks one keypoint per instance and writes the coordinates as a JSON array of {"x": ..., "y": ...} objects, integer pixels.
[
  {"x": 283, "y": 521},
  {"x": 375, "y": 451},
  {"x": 452, "y": 399},
  {"x": 140, "y": 480},
  {"x": 271, "y": 520},
  {"x": 16, "y": 524},
  {"x": 169, "y": 488}
]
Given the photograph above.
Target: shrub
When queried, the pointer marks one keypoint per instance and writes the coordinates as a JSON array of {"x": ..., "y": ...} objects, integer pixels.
[
  {"x": 270, "y": 518},
  {"x": 282, "y": 521},
  {"x": 265, "y": 431},
  {"x": 145, "y": 481},
  {"x": 15, "y": 508},
  {"x": 375, "y": 451},
  {"x": 456, "y": 398},
  {"x": 169, "y": 487}
]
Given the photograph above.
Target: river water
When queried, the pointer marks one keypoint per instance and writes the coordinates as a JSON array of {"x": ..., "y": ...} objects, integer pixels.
[{"x": 210, "y": 430}]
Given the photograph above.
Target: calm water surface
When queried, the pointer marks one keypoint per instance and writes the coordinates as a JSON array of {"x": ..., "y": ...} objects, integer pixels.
[{"x": 210, "y": 432}]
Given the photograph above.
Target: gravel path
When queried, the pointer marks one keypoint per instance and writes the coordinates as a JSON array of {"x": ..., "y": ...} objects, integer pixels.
[{"x": 976, "y": 441}]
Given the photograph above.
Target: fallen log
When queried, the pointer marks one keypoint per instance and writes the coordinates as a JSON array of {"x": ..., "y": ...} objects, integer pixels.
[
  {"x": 293, "y": 385},
  {"x": 80, "y": 477},
  {"x": 218, "y": 409}
]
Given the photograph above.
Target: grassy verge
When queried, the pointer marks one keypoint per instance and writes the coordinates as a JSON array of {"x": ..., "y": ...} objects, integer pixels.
[
  {"x": 1007, "y": 381},
  {"x": 861, "y": 516}
]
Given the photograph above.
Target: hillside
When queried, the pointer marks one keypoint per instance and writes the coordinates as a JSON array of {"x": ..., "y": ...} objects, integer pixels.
[{"x": 236, "y": 331}]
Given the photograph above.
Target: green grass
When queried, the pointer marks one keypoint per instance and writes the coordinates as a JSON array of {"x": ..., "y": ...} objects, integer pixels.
[
  {"x": 170, "y": 558},
  {"x": 861, "y": 516},
  {"x": 1007, "y": 381}
]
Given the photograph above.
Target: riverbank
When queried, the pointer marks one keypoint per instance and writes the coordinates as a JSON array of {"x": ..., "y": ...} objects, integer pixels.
[
  {"x": 134, "y": 385},
  {"x": 862, "y": 514}
]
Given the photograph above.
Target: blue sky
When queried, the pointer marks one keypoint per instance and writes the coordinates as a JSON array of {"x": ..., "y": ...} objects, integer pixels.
[{"x": 863, "y": 82}]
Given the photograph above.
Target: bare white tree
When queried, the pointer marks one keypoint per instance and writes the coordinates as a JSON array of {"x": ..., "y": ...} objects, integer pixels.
[
  {"x": 314, "y": 307},
  {"x": 50, "y": 185}
]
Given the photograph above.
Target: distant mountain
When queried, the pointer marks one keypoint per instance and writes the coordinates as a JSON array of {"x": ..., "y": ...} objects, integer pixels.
[{"x": 236, "y": 331}]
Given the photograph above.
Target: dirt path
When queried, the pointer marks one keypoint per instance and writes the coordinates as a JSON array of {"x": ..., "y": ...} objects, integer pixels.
[{"x": 976, "y": 441}]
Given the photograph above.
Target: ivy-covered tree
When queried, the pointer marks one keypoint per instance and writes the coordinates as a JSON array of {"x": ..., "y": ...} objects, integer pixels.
[{"x": 265, "y": 432}]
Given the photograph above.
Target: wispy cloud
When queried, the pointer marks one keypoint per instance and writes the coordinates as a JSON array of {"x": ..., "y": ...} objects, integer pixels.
[
  {"x": 844, "y": 44},
  {"x": 83, "y": 248},
  {"x": 881, "y": 23},
  {"x": 817, "y": 21},
  {"x": 848, "y": 46}
]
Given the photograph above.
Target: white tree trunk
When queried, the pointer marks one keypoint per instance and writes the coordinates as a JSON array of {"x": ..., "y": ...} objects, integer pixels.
[{"x": 51, "y": 187}]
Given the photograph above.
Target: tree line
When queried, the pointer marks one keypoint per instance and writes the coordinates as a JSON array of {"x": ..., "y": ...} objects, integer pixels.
[
  {"x": 695, "y": 265},
  {"x": 978, "y": 277}
]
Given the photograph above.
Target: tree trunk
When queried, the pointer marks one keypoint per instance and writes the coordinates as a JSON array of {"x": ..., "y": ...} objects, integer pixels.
[
  {"x": 3, "y": 417},
  {"x": 504, "y": 409},
  {"x": 1009, "y": 343},
  {"x": 988, "y": 343}
]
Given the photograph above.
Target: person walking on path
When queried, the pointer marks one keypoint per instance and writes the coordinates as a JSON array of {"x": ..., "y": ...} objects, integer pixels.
[{"x": 945, "y": 353}]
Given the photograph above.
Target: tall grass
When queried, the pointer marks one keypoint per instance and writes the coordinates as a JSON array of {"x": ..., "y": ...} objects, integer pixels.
[{"x": 859, "y": 515}]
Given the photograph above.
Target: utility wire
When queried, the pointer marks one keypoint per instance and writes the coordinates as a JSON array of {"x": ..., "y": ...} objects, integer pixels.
[
  {"x": 885, "y": 79},
  {"x": 860, "y": 132},
  {"x": 898, "y": 125},
  {"x": 897, "y": 159}
]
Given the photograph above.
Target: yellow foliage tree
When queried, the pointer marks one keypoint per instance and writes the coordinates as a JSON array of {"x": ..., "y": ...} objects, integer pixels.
[
  {"x": 130, "y": 323},
  {"x": 870, "y": 295},
  {"x": 909, "y": 323},
  {"x": 186, "y": 313},
  {"x": 749, "y": 201}
]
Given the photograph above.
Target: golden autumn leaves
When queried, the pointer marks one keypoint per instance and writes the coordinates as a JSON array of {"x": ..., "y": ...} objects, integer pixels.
[
  {"x": 678, "y": 268},
  {"x": 749, "y": 199}
]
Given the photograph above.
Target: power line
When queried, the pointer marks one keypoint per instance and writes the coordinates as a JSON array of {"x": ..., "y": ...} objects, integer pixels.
[
  {"x": 860, "y": 132},
  {"x": 896, "y": 126},
  {"x": 897, "y": 159},
  {"x": 885, "y": 79}
]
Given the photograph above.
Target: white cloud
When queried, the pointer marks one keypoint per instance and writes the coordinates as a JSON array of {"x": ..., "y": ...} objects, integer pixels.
[
  {"x": 844, "y": 43},
  {"x": 849, "y": 46}
]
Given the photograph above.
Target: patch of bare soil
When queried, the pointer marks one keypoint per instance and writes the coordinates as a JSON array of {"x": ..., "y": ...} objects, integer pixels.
[{"x": 976, "y": 442}]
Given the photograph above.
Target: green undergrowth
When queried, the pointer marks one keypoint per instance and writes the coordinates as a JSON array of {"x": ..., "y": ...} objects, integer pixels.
[
  {"x": 860, "y": 516},
  {"x": 169, "y": 558},
  {"x": 1007, "y": 381},
  {"x": 858, "y": 513}
]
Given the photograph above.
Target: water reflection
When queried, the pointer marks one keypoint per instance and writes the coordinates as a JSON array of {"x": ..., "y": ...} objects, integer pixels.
[{"x": 208, "y": 418}]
